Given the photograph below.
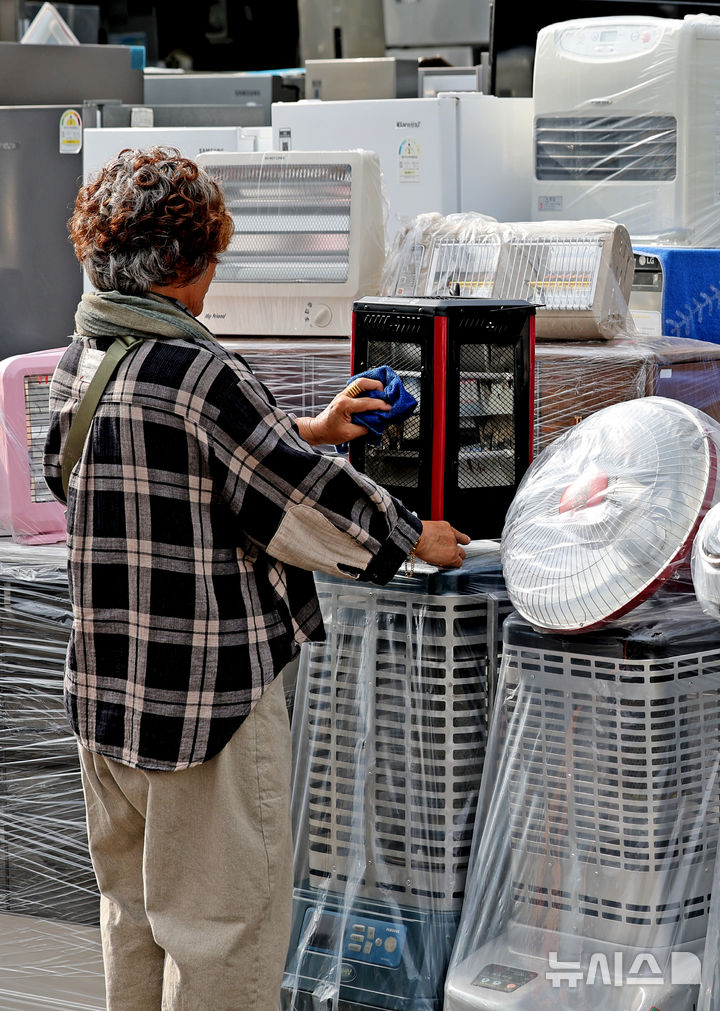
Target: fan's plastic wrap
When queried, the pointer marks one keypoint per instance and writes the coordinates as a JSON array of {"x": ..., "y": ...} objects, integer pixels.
[
  {"x": 309, "y": 238},
  {"x": 49, "y": 906},
  {"x": 607, "y": 513},
  {"x": 578, "y": 274},
  {"x": 625, "y": 125},
  {"x": 705, "y": 563},
  {"x": 575, "y": 379},
  {"x": 389, "y": 736},
  {"x": 28, "y": 511},
  {"x": 596, "y": 836}
]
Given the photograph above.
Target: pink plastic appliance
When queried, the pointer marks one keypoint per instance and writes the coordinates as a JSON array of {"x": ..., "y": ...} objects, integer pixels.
[{"x": 28, "y": 511}]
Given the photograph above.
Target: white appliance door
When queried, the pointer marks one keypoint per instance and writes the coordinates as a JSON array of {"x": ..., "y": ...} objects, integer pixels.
[
  {"x": 416, "y": 140},
  {"x": 330, "y": 29},
  {"x": 496, "y": 155},
  {"x": 436, "y": 22}
]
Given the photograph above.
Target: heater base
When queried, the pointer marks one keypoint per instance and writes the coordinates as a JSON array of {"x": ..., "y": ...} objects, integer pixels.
[
  {"x": 366, "y": 954},
  {"x": 536, "y": 970}
]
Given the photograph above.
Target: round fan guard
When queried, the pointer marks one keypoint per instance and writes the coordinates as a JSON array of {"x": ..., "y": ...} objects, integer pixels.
[{"x": 608, "y": 512}]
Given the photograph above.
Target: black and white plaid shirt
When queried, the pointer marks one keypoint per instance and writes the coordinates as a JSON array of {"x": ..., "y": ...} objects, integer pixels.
[{"x": 195, "y": 519}]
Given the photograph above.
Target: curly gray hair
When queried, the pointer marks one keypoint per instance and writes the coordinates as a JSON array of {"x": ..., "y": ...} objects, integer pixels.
[{"x": 149, "y": 217}]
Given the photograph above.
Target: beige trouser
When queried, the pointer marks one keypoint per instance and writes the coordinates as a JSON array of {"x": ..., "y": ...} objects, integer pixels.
[{"x": 195, "y": 872}]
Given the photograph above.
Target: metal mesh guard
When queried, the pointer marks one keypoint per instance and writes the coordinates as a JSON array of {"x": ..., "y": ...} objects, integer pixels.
[
  {"x": 398, "y": 714},
  {"x": 37, "y": 414},
  {"x": 613, "y": 768},
  {"x": 292, "y": 223},
  {"x": 485, "y": 421}
]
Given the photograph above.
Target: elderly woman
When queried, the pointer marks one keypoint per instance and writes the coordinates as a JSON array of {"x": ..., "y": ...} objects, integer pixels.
[{"x": 197, "y": 512}]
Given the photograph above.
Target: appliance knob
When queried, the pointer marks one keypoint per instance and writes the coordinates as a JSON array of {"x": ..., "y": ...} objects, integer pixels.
[{"x": 320, "y": 314}]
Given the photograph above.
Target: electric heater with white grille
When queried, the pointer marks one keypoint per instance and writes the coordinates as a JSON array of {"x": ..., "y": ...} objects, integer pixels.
[
  {"x": 577, "y": 274},
  {"x": 28, "y": 511},
  {"x": 625, "y": 127},
  {"x": 388, "y": 756},
  {"x": 590, "y": 881},
  {"x": 309, "y": 238}
]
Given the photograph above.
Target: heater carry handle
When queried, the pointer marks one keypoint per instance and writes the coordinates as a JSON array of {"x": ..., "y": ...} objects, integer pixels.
[{"x": 88, "y": 405}]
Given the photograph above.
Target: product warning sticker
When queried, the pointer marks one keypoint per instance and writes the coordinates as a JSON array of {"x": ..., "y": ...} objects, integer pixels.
[
  {"x": 70, "y": 132},
  {"x": 550, "y": 203},
  {"x": 409, "y": 161}
]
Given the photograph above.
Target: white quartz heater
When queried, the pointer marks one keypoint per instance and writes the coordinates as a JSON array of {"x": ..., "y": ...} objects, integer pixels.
[{"x": 309, "y": 239}]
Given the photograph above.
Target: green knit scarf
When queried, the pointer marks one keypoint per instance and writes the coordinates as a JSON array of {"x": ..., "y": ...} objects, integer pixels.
[{"x": 112, "y": 314}]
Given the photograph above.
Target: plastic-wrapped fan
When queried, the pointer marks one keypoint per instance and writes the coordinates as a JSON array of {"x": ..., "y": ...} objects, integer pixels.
[
  {"x": 608, "y": 512},
  {"x": 705, "y": 563}
]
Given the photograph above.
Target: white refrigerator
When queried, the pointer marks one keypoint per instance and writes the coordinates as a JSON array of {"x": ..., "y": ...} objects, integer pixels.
[{"x": 449, "y": 153}]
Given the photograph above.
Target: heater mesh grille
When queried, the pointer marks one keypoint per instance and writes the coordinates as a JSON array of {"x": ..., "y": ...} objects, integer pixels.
[
  {"x": 37, "y": 415},
  {"x": 395, "y": 459},
  {"x": 618, "y": 148},
  {"x": 615, "y": 807},
  {"x": 553, "y": 273},
  {"x": 398, "y": 713},
  {"x": 292, "y": 222},
  {"x": 485, "y": 424}
]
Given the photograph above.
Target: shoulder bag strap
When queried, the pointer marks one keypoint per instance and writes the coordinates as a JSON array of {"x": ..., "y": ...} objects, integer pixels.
[{"x": 88, "y": 405}]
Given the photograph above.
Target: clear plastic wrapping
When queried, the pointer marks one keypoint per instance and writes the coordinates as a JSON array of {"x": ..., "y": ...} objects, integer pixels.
[
  {"x": 28, "y": 511},
  {"x": 389, "y": 735},
  {"x": 705, "y": 563},
  {"x": 608, "y": 512},
  {"x": 589, "y": 882},
  {"x": 49, "y": 905},
  {"x": 709, "y": 997},
  {"x": 578, "y": 274},
  {"x": 625, "y": 125},
  {"x": 575, "y": 379},
  {"x": 302, "y": 374}
]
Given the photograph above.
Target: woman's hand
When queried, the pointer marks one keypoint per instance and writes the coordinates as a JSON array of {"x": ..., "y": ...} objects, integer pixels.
[
  {"x": 440, "y": 544},
  {"x": 334, "y": 425}
]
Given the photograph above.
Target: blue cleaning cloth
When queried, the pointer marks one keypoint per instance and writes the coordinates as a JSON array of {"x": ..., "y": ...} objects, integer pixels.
[{"x": 394, "y": 393}]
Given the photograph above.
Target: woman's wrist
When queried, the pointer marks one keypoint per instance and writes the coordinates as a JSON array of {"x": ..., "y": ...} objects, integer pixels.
[
  {"x": 411, "y": 556},
  {"x": 306, "y": 427}
]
